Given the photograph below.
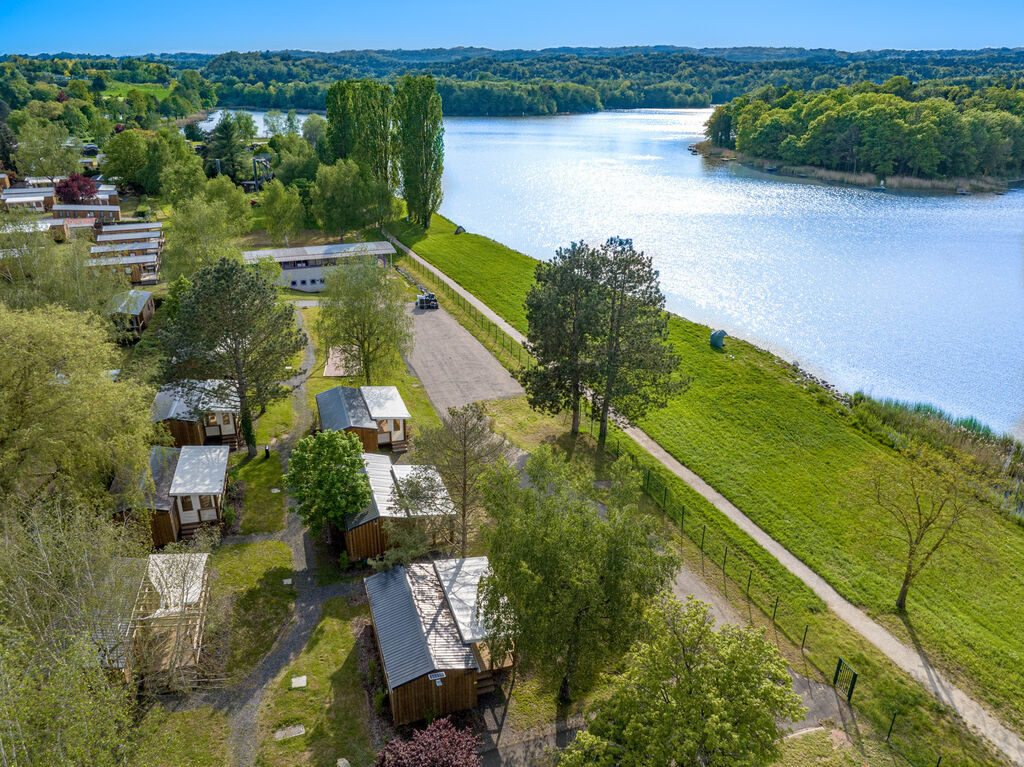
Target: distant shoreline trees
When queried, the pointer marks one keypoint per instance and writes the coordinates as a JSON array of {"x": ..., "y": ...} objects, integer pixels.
[{"x": 926, "y": 130}]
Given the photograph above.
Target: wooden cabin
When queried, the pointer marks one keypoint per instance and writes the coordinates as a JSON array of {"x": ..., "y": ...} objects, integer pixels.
[
  {"x": 97, "y": 210},
  {"x": 149, "y": 628},
  {"x": 144, "y": 247},
  {"x": 140, "y": 270},
  {"x": 27, "y": 198},
  {"x": 377, "y": 414},
  {"x": 5, "y": 181},
  {"x": 189, "y": 485},
  {"x": 155, "y": 227},
  {"x": 365, "y": 536},
  {"x": 425, "y": 626},
  {"x": 199, "y": 412},
  {"x": 131, "y": 311}
]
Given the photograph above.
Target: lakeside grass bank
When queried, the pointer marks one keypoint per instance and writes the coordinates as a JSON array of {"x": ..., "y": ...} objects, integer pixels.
[{"x": 785, "y": 452}]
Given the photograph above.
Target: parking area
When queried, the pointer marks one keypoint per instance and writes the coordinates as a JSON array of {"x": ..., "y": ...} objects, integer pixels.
[{"x": 453, "y": 366}]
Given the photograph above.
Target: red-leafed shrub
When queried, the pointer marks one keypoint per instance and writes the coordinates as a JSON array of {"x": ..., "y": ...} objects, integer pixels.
[
  {"x": 440, "y": 745},
  {"x": 75, "y": 189}
]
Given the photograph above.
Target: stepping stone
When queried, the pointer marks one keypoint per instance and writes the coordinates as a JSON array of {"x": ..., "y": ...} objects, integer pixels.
[
  {"x": 298, "y": 681},
  {"x": 289, "y": 732},
  {"x": 343, "y": 763},
  {"x": 275, "y": 490},
  {"x": 288, "y": 582}
]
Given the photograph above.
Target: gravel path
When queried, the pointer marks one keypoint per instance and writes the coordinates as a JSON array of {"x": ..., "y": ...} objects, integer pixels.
[{"x": 909, "y": 659}]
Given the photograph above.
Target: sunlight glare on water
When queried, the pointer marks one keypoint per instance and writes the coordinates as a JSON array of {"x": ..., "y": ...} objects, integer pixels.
[{"x": 919, "y": 297}]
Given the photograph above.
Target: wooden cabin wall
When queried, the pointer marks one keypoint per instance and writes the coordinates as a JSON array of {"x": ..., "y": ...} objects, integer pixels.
[
  {"x": 164, "y": 527},
  {"x": 185, "y": 432},
  {"x": 366, "y": 541},
  {"x": 414, "y": 700},
  {"x": 368, "y": 437}
]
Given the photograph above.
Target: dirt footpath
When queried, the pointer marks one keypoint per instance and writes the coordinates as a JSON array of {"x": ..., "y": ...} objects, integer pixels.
[{"x": 453, "y": 366}]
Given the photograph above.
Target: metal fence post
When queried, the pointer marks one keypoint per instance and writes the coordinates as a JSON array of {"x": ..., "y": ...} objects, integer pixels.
[
  {"x": 774, "y": 609},
  {"x": 703, "y": 530},
  {"x": 725, "y": 558},
  {"x": 749, "y": 576},
  {"x": 893, "y": 722},
  {"x": 664, "y": 499},
  {"x": 804, "y": 640}
]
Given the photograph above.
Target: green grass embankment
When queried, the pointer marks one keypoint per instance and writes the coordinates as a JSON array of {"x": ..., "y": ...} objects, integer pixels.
[{"x": 786, "y": 455}]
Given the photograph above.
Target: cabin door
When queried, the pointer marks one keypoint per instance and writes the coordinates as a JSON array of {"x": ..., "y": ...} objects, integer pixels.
[
  {"x": 227, "y": 423},
  {"x": 188, "y": 509}
]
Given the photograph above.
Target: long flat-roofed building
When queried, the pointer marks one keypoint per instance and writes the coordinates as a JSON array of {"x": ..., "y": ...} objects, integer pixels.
[
  {"x": 141, "y": 270},
  {"x": 96, "y": 210},
  {"x": 303, "y": 268}
]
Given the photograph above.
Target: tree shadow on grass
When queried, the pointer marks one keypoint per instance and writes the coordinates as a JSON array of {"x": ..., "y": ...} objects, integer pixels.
[{"x": 258, "y": 615}]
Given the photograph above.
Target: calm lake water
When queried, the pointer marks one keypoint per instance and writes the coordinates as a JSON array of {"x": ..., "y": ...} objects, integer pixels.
[{"x": 919, "y": 297}]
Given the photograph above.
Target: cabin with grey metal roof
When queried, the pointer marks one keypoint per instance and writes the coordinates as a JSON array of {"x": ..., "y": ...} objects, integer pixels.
[
  {"x": 429, "y": 668},
  {"x": 199, "y": 412},
  {"x": 365, "y": 533},
  {"x": 376, "y": 414},
  {"x": 131, "y": 311}
]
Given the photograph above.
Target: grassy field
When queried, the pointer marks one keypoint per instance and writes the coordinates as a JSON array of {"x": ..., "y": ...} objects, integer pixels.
[
  {"x": 193, "y": 738},
  {"x": 332, "y": 707},
  {"x": 262, "y": 510},
  {"x": 118, "y": 88},
  {"x": 251, "y": 575},
  {"x": 823, "y": 748},
  {"x": 786, "y": 455}
]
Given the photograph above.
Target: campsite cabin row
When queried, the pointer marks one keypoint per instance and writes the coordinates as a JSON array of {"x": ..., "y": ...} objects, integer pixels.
[
  {"x": 140, "y": 270},
  {"x": 431, "y": 637},
  {"x": 365, "y": 536},
  {"x": 376, "y": 414},
  {"x": 199, "y": 413},
  {"x": 98, "y": 210},
  {"x": 188, "y": 490},
  {"x": 28, "y": 198}
]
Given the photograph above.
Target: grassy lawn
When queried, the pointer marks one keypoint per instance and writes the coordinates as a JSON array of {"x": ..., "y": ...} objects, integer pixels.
[
  {"x": 332, "y": 707},
  {"x": 822, "y": 748},
  {"x": 193, "y": 738},
  {"x": 787, "y": 456},
  {"x": 262, "y": 510},
  {"x": 251, "y": 574},
  {"x": 275, "y": 422}
]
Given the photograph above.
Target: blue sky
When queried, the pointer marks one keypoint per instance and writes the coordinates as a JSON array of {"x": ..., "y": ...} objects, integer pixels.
[{"x": 31, "y": 26}]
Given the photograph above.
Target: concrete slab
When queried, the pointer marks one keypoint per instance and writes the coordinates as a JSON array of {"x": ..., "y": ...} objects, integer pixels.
[
  {"x": 289, "y": 732},
  {"x": 298, "y": 681}
]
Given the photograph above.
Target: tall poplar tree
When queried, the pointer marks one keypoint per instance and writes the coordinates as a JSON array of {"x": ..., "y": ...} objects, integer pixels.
[
  {"x": 340, "y": 122},
  {"x": 230, "y": 325},
  {"x": 420, "y": 135}
]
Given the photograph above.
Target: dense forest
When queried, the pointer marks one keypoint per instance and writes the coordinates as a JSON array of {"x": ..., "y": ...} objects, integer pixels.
[
  {"x": 479, "y": 81},
  {"x": 931, "y": 129}
]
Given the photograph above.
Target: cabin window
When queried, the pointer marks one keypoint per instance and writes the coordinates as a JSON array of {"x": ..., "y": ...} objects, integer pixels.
[
  {"x": 211, "y": 419},
  {"x": 293, "y": 283},
  {"x": 225, "y": 418},
  {"x": 206, "y": 501},
  {"x": 186, "y": 502},
  {"x": 303, "y": 282}
]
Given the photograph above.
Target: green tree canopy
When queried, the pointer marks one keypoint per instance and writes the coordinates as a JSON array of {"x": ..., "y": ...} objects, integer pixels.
[
  {"x": 125, "y": 157},
  {"x": 362, "y": 313},
  {"x": 282, "y": 211},
  {"x": 199, "y": 234},
  {"x": 420, "y": 136},
  {"x": 43, "y": 151},
  {"x": 230, "y": 325},
  {"x": 341, "y": 198},
  {"x": 568, "y": 584},
  {"x": 64, "y": 422},
  {"x": 227, "y": 144},
  {"x": 314, "y": 130},
  {"x": 691, "y": 695},
  {"x": 327, "y": 480}
]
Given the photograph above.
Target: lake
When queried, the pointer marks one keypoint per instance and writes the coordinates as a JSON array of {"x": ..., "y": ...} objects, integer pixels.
[{"x": 917, "y": 297}]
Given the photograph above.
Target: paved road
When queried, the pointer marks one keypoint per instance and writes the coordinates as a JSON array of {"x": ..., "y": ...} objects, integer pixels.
[
  {"x": 907, "y": 658},
  {"x": 453, "y": 366}
]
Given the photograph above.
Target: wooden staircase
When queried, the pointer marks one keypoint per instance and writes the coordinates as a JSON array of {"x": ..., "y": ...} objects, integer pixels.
[
  {"x": 189, "y": 530},
  {"x": 485, "y": 682}
]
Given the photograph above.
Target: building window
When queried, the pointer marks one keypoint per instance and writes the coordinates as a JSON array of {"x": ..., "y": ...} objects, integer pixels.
[
  {"x": 293, "y": 283},
  {"x": 211, "y": 419},
  {"x": 206, "y": 502},
  {"x": 186, "y": 502},
  {"x": 303, "y": 282},
  {"x": 225, "y": 418}
]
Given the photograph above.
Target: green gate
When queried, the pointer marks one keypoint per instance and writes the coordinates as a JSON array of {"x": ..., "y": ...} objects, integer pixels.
[{"x": 845, "y": 678}]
